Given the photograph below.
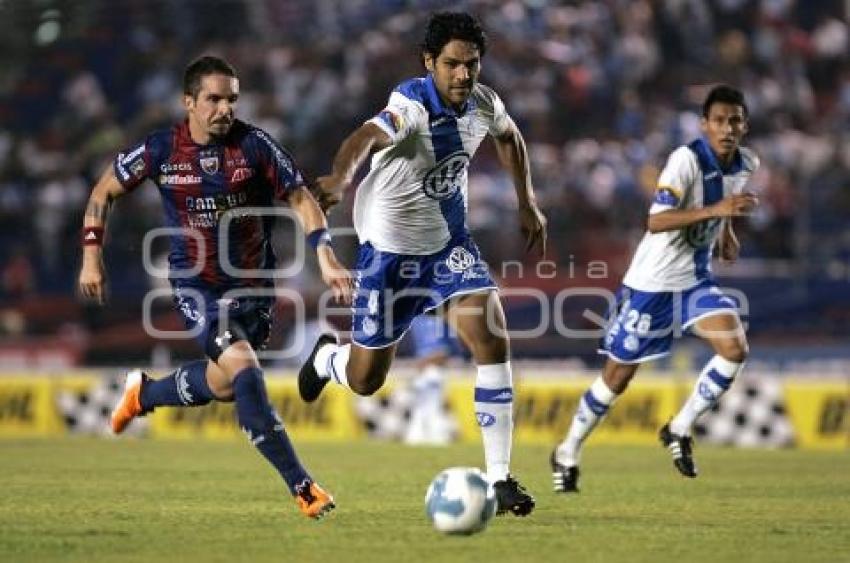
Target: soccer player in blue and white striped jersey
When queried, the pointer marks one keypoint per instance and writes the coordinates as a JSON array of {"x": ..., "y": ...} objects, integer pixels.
[
  {"x": 669, "y": 286},
  {"x": 416, "y": 253}
]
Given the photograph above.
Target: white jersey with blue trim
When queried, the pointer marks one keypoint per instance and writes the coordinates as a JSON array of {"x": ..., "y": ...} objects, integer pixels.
[
  {"x": 414, "y": 199},
  {"x": 680, "y": 259}
]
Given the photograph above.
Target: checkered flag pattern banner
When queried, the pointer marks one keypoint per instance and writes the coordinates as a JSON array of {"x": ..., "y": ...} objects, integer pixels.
[
  {"x": 751, "y": 414},
  {"x": 87, "y": 411}
]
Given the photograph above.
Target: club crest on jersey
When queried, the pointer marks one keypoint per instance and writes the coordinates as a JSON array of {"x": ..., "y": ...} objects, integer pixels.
[
  {"x": 445, "y": 179},
  {"x": 209, "y": 164},
  {"x": 460, "y": 260},
  {"x": 700, "y": 235}
]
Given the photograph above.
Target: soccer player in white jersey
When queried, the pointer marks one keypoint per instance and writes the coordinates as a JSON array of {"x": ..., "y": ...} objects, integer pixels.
[
  {"x": 669, "y": 286},
  {"x": 416, "y": 253}
]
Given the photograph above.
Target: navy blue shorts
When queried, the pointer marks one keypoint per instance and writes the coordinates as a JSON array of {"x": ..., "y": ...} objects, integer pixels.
[{"x": 219, "y": 321}]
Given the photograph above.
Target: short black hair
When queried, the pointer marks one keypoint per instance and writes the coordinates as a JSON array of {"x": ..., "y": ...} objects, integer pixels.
[
  {"x": 724, "y": 94},
  {"x": 204, "y": 66},
  {"x": 445, "y": 26}
]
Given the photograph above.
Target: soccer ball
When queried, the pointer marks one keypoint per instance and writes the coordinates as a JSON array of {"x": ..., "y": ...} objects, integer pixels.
[{"x": 460, "y": 500}]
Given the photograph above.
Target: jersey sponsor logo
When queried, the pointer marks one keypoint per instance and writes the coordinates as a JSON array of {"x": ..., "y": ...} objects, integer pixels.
[
  {"x": 179, "y": 179},
  {"x": 701, "y": 235},
  {"x": 209, "y": 164},
  {"x": 176, "y": 167},
  {"x": 446, "y": 178},
  {"x": 205, "y": 212},
  {"x": 241, "y": 174}
]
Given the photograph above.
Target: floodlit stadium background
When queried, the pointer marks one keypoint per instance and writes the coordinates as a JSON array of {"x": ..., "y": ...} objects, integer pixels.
[{"x": 602, "y": 92}]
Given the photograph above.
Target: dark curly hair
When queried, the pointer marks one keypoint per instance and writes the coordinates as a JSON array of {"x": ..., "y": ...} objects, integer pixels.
[{"x": 445, "y": 26}]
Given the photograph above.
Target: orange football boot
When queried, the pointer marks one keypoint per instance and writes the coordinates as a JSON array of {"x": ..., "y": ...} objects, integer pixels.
[
  {"x": 129, "y": 406},
  {"x": 313, "y": 501}
]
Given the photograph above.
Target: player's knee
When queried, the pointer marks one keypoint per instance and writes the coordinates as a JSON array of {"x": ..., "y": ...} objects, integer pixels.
[
  {"x": 735, "y": 351},
  {"x": 618, "y": 376},
  {"x": 488, "y": 347},
  {"x": 367, "y": 382},
  {"x": 225, "y": 396}
]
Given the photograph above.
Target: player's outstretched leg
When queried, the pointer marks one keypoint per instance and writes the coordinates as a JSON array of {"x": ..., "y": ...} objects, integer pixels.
[
  {"x": 726, "y": 335},
  {"x": 591, "y": 410},
  {"x": 264, "y": 428},
  {"x": 681, "y": 449},
  {"x": 361, "y": 370}
]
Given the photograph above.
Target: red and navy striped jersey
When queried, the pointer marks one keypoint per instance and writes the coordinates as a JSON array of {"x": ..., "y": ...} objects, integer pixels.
[{"x": 199, "y": 184}]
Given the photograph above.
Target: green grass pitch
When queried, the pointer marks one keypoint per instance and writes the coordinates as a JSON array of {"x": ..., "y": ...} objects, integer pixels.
[{"x": 134, "y": 500}]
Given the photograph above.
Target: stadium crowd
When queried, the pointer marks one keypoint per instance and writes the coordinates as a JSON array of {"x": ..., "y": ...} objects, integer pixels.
[{"x": 601, "y": 90}]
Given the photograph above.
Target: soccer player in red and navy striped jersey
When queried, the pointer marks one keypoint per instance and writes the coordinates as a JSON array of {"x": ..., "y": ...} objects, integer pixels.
[{"x": 217, "y": 176}]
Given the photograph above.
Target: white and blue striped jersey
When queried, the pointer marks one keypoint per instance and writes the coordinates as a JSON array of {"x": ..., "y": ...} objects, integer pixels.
[
  {"x": 680, "y": 259},
  {"x": 414, "y": 198}
]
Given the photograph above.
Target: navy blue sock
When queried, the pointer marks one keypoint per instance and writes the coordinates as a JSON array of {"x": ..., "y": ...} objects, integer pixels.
[
  {"x": 264, "y": 427},
  {"x": 186, "y": 387}
]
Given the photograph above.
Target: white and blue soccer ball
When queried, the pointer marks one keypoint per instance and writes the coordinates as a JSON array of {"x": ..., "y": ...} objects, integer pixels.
[{"x": 460, "y": 500}]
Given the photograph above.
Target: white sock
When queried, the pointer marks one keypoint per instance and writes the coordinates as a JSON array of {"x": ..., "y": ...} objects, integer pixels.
[
  {"x": 715, "y": 379},
  {"x": 331, "y": 362},
  {"x": 592, "y": 408},
  {"x": 494, "y": 401}
]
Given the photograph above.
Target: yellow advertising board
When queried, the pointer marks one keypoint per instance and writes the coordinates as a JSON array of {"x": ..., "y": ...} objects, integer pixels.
[
  {"x": 819, "y": 413},
  {"x": 38, "y": 405},
  {"x": 25, "y": 406}
]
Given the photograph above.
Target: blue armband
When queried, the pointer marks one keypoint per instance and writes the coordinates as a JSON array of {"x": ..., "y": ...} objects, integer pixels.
[{"x": 318, "y": 238}]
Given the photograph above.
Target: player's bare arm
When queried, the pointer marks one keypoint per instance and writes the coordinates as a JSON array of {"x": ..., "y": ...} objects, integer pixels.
[
  {"x": 92, "y": 280},
  {"x": 338, "y": 278},
  {"x": 733, "y": 206},
  {"x": 357, "y": 147},
  {"x": 510, "y": 146}
]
